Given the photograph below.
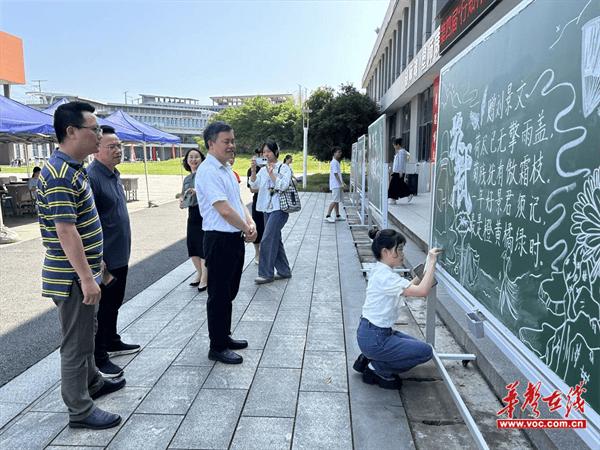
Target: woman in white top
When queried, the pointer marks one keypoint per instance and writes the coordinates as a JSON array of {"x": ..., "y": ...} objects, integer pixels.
[
  {"x": 274, "y": 178},
  {"x": 398, "y": 188},
  {"x": 386, "y": 352}
]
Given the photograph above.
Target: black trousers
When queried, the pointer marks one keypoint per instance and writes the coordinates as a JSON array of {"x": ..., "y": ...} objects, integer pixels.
[
  {"x": 224, "y": 255},
  {"x": 108, "y": 311},
  {"x": 398, "y": 187}
]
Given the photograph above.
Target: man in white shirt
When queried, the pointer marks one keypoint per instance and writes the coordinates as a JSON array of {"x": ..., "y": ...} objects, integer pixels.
[
  {"x": 227, "y": 223},
  {"x": 398, "y": 188},
  {"x": 337, "y": 185}
]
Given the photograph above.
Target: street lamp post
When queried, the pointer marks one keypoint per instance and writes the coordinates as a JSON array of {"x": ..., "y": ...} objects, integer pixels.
[{"x": 305, "y": 120}]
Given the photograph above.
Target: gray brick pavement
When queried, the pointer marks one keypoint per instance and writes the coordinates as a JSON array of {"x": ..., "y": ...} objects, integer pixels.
[{"x": 295, "y": 389}]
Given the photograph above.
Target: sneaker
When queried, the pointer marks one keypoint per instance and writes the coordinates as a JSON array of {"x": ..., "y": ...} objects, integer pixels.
[
  {"x": 262, "y": 280},
  {"x": 120, "y": 348},
  {"x": 108, "y": 369},
  {"x": 391, "y": 201},
  {"x": 340, "y": 218},
  {"x": 410, "y": 198},
  {"x": 330, "y": 219},
  {"x": 278, "y": 276},
  {"x": 372, "y": 377}
]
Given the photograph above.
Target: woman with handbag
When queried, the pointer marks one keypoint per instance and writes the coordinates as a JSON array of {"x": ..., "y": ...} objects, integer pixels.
[
  {"x": 271, "y": 181},
  {"x": 195, "y": 236}
]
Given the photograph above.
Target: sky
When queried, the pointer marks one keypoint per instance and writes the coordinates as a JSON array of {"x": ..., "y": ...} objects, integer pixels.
[{"x": 197, "y": 49}]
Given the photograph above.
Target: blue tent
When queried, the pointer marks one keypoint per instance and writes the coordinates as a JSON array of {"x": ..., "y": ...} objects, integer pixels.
[
  {"x": 16, "y": 118},
  {"x": 50, "y": 109},
  {"x": 149, "y": 134},
  {"x": 127, "y": 134}
]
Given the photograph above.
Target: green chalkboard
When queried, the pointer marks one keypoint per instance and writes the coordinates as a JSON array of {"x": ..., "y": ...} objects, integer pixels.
[{"x": 517, "y": 184}]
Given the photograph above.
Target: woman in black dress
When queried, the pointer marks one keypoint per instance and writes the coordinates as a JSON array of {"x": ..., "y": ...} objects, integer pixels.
[
  {"x": 195, "y": 236},
  {"x": 257, "y": 216}
]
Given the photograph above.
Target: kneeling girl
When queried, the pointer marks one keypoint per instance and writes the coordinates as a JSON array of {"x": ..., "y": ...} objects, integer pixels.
[{"x": 386, "y": 352}]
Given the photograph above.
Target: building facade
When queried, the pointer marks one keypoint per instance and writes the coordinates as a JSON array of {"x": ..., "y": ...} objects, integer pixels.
[
  {"x": 416, "y": 39},
  {"x": 182, "y": 116}
]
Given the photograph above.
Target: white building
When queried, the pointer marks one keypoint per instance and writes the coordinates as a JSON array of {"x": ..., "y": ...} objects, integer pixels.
[{"x": 404, "y": 66}]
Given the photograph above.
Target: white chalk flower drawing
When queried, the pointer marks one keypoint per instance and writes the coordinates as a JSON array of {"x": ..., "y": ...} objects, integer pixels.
[
  {"x": 590, "y": 65},
  {"x": 586, "y": 224}
]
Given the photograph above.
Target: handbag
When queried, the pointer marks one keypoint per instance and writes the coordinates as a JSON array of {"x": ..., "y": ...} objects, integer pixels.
[{"x": 289, "y": 200}]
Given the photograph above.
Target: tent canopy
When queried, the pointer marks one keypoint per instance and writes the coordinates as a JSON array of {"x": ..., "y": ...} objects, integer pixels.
[
  {"x": 50, "y": 109},
  {"x": 126, "y": 134},
  {"x": 150, "y": 134},
  {"x": 16, "y": 118}
]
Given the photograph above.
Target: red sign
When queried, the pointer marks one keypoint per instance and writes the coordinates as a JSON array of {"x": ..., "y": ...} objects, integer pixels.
[
  {"x": 434, "y": 122},
  {"x": 531, "y": 400},
  {"x": 458, "y": 16}
]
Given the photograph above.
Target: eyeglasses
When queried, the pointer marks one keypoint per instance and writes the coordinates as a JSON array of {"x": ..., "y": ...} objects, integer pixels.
[
  {"x": 114, "y": 146},
  {"x": 96, "y": 129}
]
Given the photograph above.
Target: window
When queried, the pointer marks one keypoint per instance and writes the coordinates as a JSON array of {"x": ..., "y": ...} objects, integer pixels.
[
  {"x": 425, "y": 123},
  {"x": 405, "y": 125}
]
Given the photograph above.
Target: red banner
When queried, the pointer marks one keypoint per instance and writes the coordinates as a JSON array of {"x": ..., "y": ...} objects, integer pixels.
[{"x": 434, "y": 124}]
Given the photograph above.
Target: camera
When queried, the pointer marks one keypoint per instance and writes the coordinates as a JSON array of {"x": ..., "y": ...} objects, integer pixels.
[{"x": 261, "y": 161}]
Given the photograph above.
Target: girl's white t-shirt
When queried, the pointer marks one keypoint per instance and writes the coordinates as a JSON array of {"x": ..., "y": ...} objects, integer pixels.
[{"x": 384, "y": 296}]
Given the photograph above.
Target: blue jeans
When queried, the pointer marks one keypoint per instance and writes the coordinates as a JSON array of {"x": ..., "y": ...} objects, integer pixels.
[
  {"x": 272, "y": 253},
  {"x": 390, "y": 351}
]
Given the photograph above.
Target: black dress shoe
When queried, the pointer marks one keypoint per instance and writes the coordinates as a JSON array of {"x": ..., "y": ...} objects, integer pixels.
[
  {"x": 108, "y": 387},
  {"x": 97, "y": 420},
  {"x": 372, "y": 377},
  {"x": 195, "y": 283},
  {"x": 203, "y": 288},
  {"x": 226, "y": 356},
  {"x": 236, "y": 344},
  {"x": 361, "y": 363}
]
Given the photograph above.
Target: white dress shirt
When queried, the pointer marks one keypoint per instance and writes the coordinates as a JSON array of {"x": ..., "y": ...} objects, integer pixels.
[
  {"x": 335, "y": 168},
  {"x": 216, "y": 182},
  {"x": 400, "y": 158},
  {"x": 266, "y": 202},
  {"x": 384, "y": 296}
]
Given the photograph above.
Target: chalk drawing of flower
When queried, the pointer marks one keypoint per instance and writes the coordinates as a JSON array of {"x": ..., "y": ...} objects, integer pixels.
[{"x": 586, "y": 223}]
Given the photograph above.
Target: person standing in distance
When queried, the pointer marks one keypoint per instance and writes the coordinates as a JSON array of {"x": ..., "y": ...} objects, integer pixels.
[
  {"x": 226, "y": 224},
  {"x": 336, "y": 184},
  {"x": 72, "y": 234},
  {"x": 111, "y": 203},
  {"x": 398, "y": 187}
]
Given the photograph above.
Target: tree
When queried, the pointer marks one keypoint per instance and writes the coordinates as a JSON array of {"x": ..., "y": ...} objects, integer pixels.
[
  {"x": 338, "y": 119},
  {"x": 258, "y": 119}
]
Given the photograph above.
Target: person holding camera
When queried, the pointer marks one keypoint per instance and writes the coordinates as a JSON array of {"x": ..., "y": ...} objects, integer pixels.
[
  {"x": 386, "y": 352},
  {"x": 273, "y": 179},
  {"x": 257, "y": 216},
  {"x": 195, "y": 236}
]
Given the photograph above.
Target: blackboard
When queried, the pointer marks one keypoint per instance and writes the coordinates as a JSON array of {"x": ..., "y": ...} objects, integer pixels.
[{"x": 517, "y": 184}]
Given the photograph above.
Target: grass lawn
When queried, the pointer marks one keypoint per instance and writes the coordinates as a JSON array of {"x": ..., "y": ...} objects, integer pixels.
[
  {"x": 319, "y": 182},
  {"x": 173, "y": 166}
]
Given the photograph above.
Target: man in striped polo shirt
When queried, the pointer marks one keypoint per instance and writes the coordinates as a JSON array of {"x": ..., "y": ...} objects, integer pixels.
[{"x": 72, "y": 235}]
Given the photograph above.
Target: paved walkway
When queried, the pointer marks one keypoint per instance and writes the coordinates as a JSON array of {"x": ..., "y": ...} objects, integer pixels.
[
  {"x": 295, "y": 388},
  {"x": 163, "y": 189}
]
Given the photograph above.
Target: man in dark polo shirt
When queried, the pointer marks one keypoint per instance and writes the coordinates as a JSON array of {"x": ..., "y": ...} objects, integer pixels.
[
  {"x": 72, "y": 235},
  {"x": 112, "y": 208}
]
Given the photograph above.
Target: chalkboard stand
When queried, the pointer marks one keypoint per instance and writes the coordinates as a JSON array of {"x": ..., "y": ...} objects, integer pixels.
[{"x": 437, "y": 359}]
